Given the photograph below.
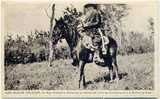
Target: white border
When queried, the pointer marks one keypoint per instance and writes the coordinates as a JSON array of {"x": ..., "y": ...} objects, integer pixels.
[{"x": 86, "y": 93}]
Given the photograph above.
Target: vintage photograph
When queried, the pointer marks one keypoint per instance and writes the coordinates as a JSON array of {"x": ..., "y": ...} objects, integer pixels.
[{"x": 66, "y": 45}]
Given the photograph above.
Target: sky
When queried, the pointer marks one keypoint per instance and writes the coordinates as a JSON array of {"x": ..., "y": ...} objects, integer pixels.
[{"x": 23, "y": 17}]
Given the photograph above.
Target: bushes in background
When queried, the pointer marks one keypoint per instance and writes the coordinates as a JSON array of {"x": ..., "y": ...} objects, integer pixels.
[{"x": 34, "y": 49}]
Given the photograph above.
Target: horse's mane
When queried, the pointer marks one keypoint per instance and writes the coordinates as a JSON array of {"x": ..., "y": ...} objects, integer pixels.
[{"x": 71, "y": 33}]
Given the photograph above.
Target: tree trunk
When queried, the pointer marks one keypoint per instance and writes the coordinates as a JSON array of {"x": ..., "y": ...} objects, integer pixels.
[{"x": 50, "y": 37}]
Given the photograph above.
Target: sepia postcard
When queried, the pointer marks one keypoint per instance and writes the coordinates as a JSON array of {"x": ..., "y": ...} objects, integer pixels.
[{"x": 75, "y": 48}]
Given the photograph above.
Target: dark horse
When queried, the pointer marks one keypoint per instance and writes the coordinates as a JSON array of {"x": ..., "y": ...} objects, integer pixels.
[{"x": 80, "y": 54}]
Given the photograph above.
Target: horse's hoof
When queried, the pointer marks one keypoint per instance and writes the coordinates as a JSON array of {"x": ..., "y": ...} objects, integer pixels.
[
  {"x": 79, "y": 86},
  {"x": 111, "y": 81},
  {"x": 84, "y": 86},
  {"x": 74, "y": 64},
  {"x": 50, "y": 65},
  {"x": 116, "y": 79}
]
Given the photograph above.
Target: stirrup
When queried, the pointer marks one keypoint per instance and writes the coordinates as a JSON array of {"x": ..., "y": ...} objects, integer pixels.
[{"x": 97, "y": 60}]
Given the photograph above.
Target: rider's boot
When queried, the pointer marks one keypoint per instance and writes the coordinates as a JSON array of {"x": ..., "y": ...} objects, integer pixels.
[{"x": 90, "y": 57}]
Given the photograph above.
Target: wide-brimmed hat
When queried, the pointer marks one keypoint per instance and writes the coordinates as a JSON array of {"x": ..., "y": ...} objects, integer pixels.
[{"x": 91, "y": 5}]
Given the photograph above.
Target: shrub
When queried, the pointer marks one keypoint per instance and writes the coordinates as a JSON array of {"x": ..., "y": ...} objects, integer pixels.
[{"x": 34, "y": 49}]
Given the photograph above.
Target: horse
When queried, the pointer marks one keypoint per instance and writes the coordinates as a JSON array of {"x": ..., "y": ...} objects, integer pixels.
[{"x": 80, "y": 54}]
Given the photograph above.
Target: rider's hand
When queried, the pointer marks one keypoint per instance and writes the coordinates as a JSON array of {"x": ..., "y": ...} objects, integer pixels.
[
  {"x": 79, "y": 26},
  {"x": 86, "y": 24},
  {"x": 80, "y": 29}
]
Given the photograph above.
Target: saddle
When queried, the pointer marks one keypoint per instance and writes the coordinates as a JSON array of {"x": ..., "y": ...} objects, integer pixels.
[
  {"x": 94, "y": 54},
  {"x": 88, "y": 43}
]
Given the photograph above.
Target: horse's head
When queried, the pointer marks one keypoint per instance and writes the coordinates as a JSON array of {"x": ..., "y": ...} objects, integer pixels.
[
  {"x": 65, "y": 28},
  {"x": 59, "y": 30}
]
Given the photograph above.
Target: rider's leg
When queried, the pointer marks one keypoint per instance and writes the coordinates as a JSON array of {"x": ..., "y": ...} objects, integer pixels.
[
  {"x": 105, "y": 45},
  {"x": 96, "y": 46},
  {"x": 96, "y": 56}
]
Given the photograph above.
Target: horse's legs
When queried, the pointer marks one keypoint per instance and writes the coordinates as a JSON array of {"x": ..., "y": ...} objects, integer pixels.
[
  {"x": 111, "y": 73},
  {"x": 81, "y": 67},
  {"x": 115, "y": 67},
  {"x": 75, "y": 57},
  {"x": 84, "y": 81},
  {"x": 113, "y": 53}
]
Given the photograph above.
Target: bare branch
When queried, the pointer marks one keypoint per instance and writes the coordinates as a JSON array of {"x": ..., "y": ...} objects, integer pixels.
[
  {"x": 47, "y": 13},
  {"x": 52, "y": 17},
  {"x": 47, "y": 9}
]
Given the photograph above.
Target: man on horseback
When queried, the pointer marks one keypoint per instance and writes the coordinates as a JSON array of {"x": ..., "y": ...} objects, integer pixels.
[
  {"x": 92, "y": 27},
  {"x": 86, "y": 39}
]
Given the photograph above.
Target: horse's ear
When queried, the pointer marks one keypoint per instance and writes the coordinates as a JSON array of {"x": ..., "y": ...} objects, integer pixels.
[
  {"x": 61, "y": 19},
  {"x": 56, "y": 20}
]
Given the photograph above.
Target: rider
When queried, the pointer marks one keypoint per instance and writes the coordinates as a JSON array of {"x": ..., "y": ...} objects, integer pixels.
[{"x": 92, "y": 27}]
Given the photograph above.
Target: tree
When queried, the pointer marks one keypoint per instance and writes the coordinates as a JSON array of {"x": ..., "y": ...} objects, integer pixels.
[
  {"x": 151, "y": 27},
  {"x": 50, "y": 35},
  {"x": 113, "y": 15}
]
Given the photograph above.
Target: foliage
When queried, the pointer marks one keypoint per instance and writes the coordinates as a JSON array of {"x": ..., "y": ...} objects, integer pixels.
[
  {"x": 134, "y": 42},
  {"x": 35, "y": 48},
  {"x": 131, "y": 42}
]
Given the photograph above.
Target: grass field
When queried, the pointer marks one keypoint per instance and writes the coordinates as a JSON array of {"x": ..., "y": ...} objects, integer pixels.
[{"x": 136, "y": 72}]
